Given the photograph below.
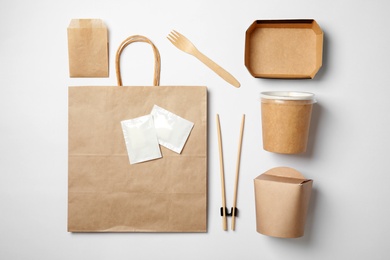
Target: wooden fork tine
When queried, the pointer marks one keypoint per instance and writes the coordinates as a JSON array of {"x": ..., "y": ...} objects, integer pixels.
[
  {"x": 171, "y": 40},
  {"x": 174, "y": 38},
  {"x": 181, "y": 35},
  {"x": 176, "y": 33},
  {"x": 171, "y": 35}
]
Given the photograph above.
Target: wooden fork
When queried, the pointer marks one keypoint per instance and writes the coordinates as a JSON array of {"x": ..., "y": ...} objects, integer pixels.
[{"x": 182, "y": 43}]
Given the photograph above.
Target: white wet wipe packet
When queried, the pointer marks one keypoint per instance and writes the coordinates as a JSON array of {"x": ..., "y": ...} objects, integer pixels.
[
  {"x": 141, "y": 139},
  {"x": 172, "y": 130}
]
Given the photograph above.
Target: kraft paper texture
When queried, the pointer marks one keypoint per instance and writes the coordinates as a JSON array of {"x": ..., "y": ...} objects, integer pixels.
[
  {"x": 282, "y": 197},
  {"x": 284, "y": 48},
  {"x": 286, "y": 125},
  {"x": 105, "y": 192},
  {"x": 88, "y": 48}
]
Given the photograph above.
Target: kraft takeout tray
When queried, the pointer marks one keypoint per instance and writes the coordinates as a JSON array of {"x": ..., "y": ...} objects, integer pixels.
[{"x": 284, "y": 48}]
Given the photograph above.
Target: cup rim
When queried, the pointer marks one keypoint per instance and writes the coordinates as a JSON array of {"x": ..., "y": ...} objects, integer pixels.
[{"x": 287, "y": 95}]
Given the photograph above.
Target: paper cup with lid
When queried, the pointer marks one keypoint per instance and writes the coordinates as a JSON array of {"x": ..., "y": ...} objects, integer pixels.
[{"x": 285, "y": 120}]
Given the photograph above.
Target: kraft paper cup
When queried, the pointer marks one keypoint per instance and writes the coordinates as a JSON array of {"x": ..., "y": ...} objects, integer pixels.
[{"x": 286, "y": 120}]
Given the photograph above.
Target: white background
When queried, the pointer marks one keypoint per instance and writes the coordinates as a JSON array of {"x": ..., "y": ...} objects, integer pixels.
[{"x": 348, "y": 155}]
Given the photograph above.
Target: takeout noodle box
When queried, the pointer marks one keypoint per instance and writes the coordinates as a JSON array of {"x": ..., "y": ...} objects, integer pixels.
[
  {"x": 282, "y": 197},
  {"x": 284, "y": 48},
  {"x": 88, "y": 48}
]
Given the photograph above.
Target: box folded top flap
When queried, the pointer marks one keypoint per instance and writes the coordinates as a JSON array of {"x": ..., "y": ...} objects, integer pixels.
[
  {"x": 283, "y": 174},
  {"x": 87, "y": 23}
]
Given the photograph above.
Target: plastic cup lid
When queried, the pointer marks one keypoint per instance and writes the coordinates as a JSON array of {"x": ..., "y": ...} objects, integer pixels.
[{"x": 287, "y": 95}]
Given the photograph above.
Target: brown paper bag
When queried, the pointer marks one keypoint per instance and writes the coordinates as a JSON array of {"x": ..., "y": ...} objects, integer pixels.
[
  {"x": 105, "y": 192},
  {"x": 88, "y": 48},
  {"x": 282, "y": 198}
]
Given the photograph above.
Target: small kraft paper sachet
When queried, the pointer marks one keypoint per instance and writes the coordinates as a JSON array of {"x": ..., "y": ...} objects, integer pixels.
[{"x": 88, "y": 48}]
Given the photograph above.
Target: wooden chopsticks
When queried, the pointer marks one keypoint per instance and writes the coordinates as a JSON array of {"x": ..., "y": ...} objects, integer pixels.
[
  {"x": 233, "y": 212},
  {"x": 223, "y": 209}
]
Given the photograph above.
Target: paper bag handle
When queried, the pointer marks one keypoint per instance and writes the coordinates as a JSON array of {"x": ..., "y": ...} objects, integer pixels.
[{"x": 157, "y": 60}]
